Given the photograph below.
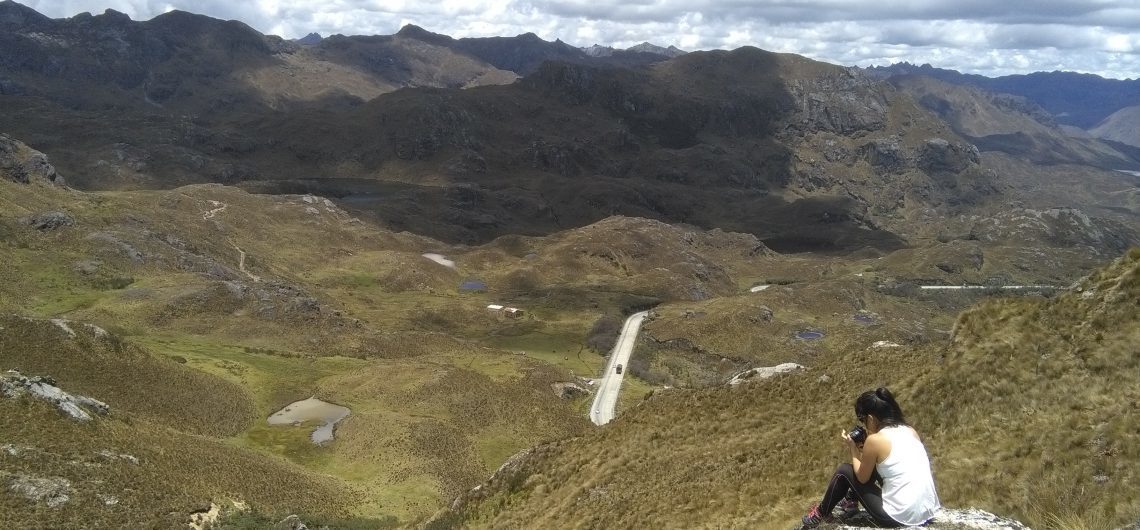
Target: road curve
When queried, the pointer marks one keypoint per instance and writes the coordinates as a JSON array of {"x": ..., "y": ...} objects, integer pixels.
[{"x": 602, "y": 411}]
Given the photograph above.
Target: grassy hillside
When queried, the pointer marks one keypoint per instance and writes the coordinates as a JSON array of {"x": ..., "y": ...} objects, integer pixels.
[
  {"x": 198, "y": 312},
  {"x": 201, "y": 346},
  {"x": 1028, "y": 411},
  {"x": 1035, "y": 403},
  {"x": 159, "y": 455}
]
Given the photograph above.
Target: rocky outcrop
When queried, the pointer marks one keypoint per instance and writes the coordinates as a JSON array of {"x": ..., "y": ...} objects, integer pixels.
[
  {"x": 22, "y": 164},
  {"x": 14, "y": 385},
  {"x": 938, "y": 155},
  {"x": 843, "y": 103},
  {"x": 764, "y": 372},
  {"x": 885, "y": 154},
  {"x": 52, "y": 491},
  {"x": 51, "y": 221},
  {"x": 947, "y": 519},
  {"x": 291, "y": 523},
  {"x": 1061, "y": 227},
  {"x": 117, "y": 245}
]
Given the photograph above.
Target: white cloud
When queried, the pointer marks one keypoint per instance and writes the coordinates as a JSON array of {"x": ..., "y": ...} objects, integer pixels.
[{"x": 982, "y": 36}]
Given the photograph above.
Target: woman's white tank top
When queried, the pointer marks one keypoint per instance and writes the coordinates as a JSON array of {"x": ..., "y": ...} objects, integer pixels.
[{"x": 909, "y": 496}]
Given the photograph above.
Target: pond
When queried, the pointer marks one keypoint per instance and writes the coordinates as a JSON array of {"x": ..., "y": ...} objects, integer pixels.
[
  {"x": 473, "y": 285},
  {"x": 312, "y": 410},
  {"x": 809, "y": 335}
]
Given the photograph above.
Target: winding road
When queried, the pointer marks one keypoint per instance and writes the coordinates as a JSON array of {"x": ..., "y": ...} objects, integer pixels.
[{"x": 602, "y": 411}]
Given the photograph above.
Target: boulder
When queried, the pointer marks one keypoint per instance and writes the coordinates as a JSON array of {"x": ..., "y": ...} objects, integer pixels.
[
  {"x": 54, "y": 491},
  {"x": 885, "y": 154},
  {"x": 51, "y": 221}
]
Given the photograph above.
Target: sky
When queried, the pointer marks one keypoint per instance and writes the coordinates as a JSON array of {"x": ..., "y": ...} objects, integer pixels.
[{"x": 988, "y": 37}]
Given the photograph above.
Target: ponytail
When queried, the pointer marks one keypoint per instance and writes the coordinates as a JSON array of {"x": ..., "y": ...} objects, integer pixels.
[{"x": 881, "y": 404}]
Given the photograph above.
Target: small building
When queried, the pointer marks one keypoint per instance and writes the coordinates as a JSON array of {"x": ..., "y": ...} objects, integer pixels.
[
  {"x": 513, "y": 312},
  {"x": 494, "y": 308}
]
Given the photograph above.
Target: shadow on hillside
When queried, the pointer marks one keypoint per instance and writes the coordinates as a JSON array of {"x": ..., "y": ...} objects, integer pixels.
[
  {"x": 687, "y": 141},
  {"x": 691, "y": 140}
]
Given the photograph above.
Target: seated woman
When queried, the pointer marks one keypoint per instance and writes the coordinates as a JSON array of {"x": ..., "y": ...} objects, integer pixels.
[{"x": 892, "y": 452}]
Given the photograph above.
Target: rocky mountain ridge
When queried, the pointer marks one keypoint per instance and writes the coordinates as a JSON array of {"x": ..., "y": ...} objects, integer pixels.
[
  {"x": 802, "y": 154},
  {"x": 1082, "y": 100}
]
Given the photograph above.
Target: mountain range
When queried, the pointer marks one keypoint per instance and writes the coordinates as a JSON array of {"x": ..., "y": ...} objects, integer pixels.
[{"x": 237, "y": 223}]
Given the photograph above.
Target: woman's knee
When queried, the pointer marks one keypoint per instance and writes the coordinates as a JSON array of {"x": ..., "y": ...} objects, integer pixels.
[{"x": 847, "y": 470}]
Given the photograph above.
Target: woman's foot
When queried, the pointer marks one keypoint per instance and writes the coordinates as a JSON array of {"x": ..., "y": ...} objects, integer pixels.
[
  {"x": 814, "y": 517},
  {"x": 849, "y": 506}
]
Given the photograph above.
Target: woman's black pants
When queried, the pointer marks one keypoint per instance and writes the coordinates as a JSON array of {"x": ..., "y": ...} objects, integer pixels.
[{"x": 870, "y": 495}]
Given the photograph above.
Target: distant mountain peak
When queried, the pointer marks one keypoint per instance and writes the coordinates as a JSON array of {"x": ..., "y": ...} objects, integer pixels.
[
  {"x": 13, "y": 14},
  {"x": 310, "y": 39},
  {"x": 598, "y": 50},
  {"x": 412, "y": 31},
  {"x": 647, "y": 47}
]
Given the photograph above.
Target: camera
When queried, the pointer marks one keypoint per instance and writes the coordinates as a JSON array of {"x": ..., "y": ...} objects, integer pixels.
[{"x": 858, "y": 434}]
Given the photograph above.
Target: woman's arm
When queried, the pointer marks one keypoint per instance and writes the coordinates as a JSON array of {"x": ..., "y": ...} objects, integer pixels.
[{"x": 864, "y": 459}]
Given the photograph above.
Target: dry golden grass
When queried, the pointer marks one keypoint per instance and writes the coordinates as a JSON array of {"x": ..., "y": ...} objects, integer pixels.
[
  {"x": 437, "y": 405},
  {"x": 177, "y": 473},
  {"x": 125, "y": 377},
  {"x": 1029, "y": 412}
]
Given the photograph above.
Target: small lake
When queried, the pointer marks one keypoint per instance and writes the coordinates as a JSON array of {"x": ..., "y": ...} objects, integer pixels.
[
  {"x": 312, "y": 410},
  {"x": 809, "y": 335}
]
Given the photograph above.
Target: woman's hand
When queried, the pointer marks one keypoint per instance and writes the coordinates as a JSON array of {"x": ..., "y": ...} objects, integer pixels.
[{"x": 851, "y": 445}]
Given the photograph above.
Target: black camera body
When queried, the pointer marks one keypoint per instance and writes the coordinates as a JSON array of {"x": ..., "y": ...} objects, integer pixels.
[{"x": 858, "y": 434}]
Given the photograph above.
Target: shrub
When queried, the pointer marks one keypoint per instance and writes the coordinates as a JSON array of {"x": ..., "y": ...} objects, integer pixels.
[{"x": 604, "y": 334}]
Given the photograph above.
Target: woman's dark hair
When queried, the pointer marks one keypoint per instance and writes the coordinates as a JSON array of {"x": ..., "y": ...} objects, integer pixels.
[{"x": 880, "y": 404}]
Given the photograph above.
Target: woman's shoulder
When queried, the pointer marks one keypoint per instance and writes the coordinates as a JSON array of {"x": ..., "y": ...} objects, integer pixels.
[{"x": 902, "y": 430}]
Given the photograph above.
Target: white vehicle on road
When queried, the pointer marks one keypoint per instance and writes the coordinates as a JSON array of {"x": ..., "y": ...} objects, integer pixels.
[{"x": 609, "y": 386}]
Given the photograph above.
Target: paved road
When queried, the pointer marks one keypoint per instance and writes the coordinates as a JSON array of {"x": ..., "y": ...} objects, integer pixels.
[
  {"x": 602, "y": 411},
  {"x": 983, "y": 287}
]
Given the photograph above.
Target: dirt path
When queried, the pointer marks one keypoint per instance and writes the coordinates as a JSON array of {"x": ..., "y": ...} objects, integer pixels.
[
  {"x": 241, "y": 263},
  {"x": 218, "y": 207}
]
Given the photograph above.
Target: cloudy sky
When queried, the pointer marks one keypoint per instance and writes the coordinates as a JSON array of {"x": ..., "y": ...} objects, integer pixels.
[{"x": 990, "y": 37}]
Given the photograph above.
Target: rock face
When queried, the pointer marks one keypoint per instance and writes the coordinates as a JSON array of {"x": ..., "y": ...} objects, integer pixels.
[
  {"x": 938, "y": 155},
  {"x": 23, "y": 164},
  {"x": 843, "y": 103},
  {"x": 14, "y": 385}
]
